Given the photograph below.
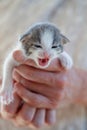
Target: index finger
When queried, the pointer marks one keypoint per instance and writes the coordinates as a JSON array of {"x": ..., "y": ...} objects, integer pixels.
[
  {"x": 55, "y": 65},
  {"x": 34, "y": 99},
  {"x": 36, "y": 75}
]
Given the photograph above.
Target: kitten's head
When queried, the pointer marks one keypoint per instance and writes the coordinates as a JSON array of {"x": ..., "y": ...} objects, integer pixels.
[{"x": 43, "y": 42}]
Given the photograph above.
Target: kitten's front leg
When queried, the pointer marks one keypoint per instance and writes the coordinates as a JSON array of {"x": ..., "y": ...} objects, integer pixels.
[
  {"x": 6, "y": 92},
  {"x": 65, "y": 60}
]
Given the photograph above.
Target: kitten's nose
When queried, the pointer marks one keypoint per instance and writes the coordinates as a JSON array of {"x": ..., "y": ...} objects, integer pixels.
[{"x": 46, "y": 55}]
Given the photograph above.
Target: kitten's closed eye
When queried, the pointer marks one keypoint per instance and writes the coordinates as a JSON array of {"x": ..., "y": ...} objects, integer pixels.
[
  {"x": 37, "y": 46},
  {"x": 56, "y": 46}
]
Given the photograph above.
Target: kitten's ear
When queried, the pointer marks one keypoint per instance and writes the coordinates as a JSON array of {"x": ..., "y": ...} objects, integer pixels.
[
  {"x": 25, "y": 38},
  {"x": 64, "y": 39}
]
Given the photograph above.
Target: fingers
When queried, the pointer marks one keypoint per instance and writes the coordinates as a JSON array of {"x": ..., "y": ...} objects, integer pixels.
[
  {"x": 43, "y": 116},
  {"x": 50, "y": 116},
  {"x": 33, "y": 74},
  {"x": 39, "y": 118},
  {"x": 9, "y": 111},
  {"x": 34, "y": 99},
  {"x": 54, "y": 66},
  {"x": 34, "y": 118},
  {"x": 40, "y": 76},
  {"x": 45, "y": 90},
  {"x": 25, "y": 115}
]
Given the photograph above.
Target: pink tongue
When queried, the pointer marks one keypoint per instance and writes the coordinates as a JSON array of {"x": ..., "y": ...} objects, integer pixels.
[{"x": 43, "y": 62}]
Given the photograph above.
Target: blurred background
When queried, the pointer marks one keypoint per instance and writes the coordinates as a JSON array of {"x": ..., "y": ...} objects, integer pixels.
[{"x": 70, "y": 16}]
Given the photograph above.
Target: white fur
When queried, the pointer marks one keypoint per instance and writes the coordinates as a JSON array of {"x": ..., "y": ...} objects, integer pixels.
[
  {"x": 66, "y": 60},
  {"x": 47, "y": 39},
  {"x": 7, "y": 84}
]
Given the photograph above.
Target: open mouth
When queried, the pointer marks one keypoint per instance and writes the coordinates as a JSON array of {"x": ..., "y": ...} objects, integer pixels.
[{"x": 43, "y": 62}]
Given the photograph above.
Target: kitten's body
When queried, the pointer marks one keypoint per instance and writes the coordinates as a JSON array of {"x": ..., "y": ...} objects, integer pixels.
[{"x": 42, "y": 43}]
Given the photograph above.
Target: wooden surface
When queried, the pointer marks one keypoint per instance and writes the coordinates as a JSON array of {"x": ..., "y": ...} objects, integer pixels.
[{"x": 70, "y": 16}]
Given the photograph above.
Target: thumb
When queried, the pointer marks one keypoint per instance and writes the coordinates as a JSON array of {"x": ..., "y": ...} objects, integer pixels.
[{"x": 18, "y": 56}]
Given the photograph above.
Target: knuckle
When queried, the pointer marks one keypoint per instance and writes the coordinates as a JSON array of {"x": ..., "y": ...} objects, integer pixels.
[
  {"x": 40, "y": 101},
  {"x": 25, "y": 118},
  {"x": 53, "y": 104},
  {"x": 57, "y": 94},
  {"x": 8, "y": 113},
  {"x": 56, "y": 80},
  {"x": 29, "y": 73},
  {"x": 52, "y": 79},
  {"x": 23, "y": 81},
  {"x": 36, "y": 101},
  {"x": 22, "y": 93},
  {"x": 63, "y": 81}
]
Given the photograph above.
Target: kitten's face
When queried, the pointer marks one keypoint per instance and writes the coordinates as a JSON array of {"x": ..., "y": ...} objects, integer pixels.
[{"x": 42, "y": 43}]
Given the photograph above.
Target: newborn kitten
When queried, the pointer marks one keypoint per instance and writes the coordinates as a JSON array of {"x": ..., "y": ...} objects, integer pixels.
[{"x": 42, "y": 42}]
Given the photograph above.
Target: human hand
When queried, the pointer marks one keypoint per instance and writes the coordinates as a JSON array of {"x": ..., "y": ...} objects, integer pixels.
[
  {"x": 52, "y": 116},
  {"x": 26, "y": 116},
  {"x": 21, "y": 114},
  {"x": 52, "y": 84},
  {"x": 41, "y": 99},
  {"x": 72, "y": 84}
]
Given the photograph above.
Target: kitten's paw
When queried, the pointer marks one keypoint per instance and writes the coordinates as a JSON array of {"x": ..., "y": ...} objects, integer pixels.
[
  {"x": 66, "y": 62},
  {"x": 6, "y": 97}
]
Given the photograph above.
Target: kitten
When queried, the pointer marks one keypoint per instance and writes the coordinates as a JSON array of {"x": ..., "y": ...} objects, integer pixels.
[{"x": 42, "y": 42}]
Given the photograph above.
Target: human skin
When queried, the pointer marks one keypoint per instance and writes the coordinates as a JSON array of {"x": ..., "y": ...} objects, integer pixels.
[
  {"x": 23, "y": 118},
  {"x": 59, "y": 87},
  {"x": 26, "y": 113}
]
